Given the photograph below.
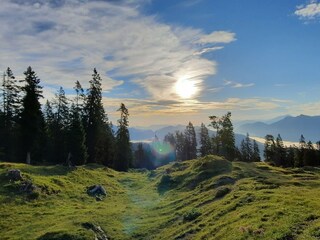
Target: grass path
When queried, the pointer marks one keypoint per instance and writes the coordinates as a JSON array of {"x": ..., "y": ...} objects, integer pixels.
[{"x": 142, "y": 196}]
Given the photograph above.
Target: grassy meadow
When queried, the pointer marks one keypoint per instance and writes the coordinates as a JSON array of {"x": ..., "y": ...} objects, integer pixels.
[{"x": 207, "y": 198}]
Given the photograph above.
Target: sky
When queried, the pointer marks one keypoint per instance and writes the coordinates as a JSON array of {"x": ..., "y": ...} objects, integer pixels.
[{"x": 172, "y": 61}]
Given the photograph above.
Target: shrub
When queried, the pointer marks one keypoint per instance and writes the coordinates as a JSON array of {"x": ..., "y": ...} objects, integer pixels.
[
  {"x": 191, "y": 215},
  {"x": 222, "y": 192}
]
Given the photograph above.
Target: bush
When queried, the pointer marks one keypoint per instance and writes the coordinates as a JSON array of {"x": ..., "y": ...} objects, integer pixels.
[
  {"x": 166, "y": 182},
  {"x": 222, "y": 192},
  {"x": 191, "y": 215}
]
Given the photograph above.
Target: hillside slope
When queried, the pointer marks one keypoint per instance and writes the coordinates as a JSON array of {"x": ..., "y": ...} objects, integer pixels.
[{"x": 208, "y": 198}]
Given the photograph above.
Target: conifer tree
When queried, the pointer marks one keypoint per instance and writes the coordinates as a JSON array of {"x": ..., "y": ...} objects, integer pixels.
[
  {"x": 11, "y": 103},
  {"x": 59, "y": 128},
  {"x": 124, "y": 153},
  {"x": 280, "y": 153},
  {"x": 224, "y": 140},
  {"x": 76, "y": 141},
  {"x": 246, "y": 149},
  {"x": 190, "y": 142},
  {"x": 97, "y": 128},
  {"x": 32, "y": 121},
  {"x": 256, "y": 152},
  {"x": 269, "y": 148},
  {"x": 180, "y": 146},
  {"x": 205, "y": 141},
  {"x": 171, "y": 140}
]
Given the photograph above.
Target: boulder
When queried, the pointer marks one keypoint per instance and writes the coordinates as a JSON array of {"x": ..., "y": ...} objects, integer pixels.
[
  {"x": 14, "y": 175},
  {"x": 96, "y": 190},
  {"x": 27, "y": 186}
]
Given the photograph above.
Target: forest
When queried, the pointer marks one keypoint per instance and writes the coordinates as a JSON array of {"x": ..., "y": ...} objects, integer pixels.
[{"x": 76, "y": 131}]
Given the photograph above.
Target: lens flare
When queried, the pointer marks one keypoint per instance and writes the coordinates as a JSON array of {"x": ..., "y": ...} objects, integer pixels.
[{"x": 162, "y": 148}]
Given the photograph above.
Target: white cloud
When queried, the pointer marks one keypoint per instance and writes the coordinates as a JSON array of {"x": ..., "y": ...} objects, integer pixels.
[
  {"x": 65, "y": 42},
  {"x": 237, "y": 85},
  {"x": 241, "y": 85},
  {"x": 308, "y": 11},
  {"x": 218, "y": 37}
]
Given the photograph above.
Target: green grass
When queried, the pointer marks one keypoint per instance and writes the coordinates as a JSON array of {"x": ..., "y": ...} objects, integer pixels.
[{"x": 208, "y": 198}]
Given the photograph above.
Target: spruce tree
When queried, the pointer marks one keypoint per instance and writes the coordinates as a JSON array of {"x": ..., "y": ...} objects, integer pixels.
[
  {"x": 224, "y": 140},
  {"x": 171, "y": 140},
  {"x": 180, "y": 146},
  {"x": 205, "y": 141},
  {"x": 280, "y": 152},
  {"x": 31, "y": 120},
  {"x": 124, "y": 153},
  {"x": 190, "y": 142},
  {"x": 256, "y": 152},
  {"x": 269, "y": 148},
  {"x": 11, "y": 104},
  {"x": 59, "y": 128},
  {"x": 77, "y": 150},
  {"x": 246, "y": 149},
  {"x": 98, "y": 131}
]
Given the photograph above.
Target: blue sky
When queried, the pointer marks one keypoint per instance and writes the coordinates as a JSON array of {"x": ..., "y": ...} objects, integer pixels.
[{"x": 172, "y": 61}]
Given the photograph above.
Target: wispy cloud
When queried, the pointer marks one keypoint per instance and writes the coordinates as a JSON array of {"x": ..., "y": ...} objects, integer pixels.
[
  {"x": 65, "y": 40},
  {"x": 308, "y": 11},
  {"x": 218, "y": 37},
  {"x": 237, "y": 85}
]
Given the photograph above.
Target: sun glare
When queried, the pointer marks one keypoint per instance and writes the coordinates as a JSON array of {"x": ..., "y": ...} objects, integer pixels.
[{"x": 186, "y": 88}]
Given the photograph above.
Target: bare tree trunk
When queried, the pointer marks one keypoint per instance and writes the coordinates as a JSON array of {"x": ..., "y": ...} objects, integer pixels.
[
  {"x": 69, "y": 163},
  {"x": 28, "y": 160}
]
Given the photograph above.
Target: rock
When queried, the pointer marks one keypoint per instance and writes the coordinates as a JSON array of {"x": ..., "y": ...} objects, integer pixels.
[
  {"x": 14, "y": 175},
  {"x": 99, "y": 233},
  {"x": 27, "y": 186},
  {"x": 96, "y": 190},
  {"x": 99, "y": 198}
]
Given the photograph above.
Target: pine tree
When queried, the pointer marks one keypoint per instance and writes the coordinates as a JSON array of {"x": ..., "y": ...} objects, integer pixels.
[
  {"x": 190, "y": 142},
  {"x": 180, "y": 146},
  {"x": 299, "y": 159},
  {"x": 256, "y": 152},
  {"x": 171, "y": 140},
  {"x": 224, "y": 140},
  {"x": 77, "y": 150},
  {"x": 227, "y": 137},
  {"x": 59, "y": 128},
  {"x": 216, "y": 141},
  {"x": 205, "y": 141},
  {"x": 49, "y": 131},
  {"x": 280, "y": 152},
  {"x": 32, "y": 121},
  {"x": 80, "y": 99},
  {"x": 98, "y": 131},
  {"x": 11, "y": 103},
  {"x": 310, "y": 157},
  {"x": 124, "y": 153},
  {"x": 269, "y": 148},
  {"x": 246, "y": 149}
]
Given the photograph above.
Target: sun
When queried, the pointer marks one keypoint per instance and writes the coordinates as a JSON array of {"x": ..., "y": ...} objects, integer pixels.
[{"x": 185, "y": 87}]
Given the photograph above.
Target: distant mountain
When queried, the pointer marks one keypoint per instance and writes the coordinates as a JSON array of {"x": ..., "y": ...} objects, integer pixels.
[
  {"x": 137, "y": 134},
  {"x": 290, "y": 128}
]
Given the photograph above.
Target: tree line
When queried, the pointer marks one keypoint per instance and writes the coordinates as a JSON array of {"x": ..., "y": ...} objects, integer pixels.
[
  {"x": 305, "y": 154},
  {"x": 185, "y": 144},
  {"x": 74, "y": 131}
]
